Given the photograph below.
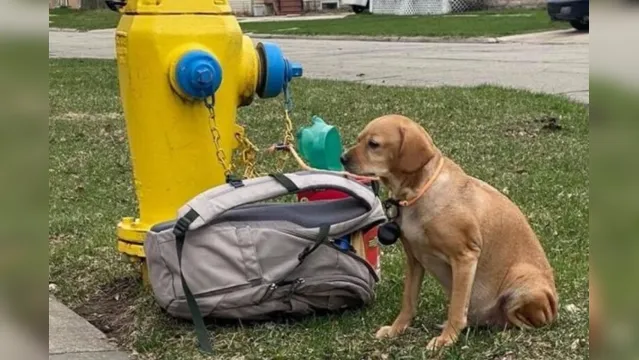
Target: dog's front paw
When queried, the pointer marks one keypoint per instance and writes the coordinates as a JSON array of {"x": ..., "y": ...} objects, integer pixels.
[
  {"x": 386, "y": 332},
  {"x": 439, "y": 342}
]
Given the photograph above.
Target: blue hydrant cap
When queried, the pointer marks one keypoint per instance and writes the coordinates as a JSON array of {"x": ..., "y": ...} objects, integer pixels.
[
  {"x": 198, "y": 74},
  {"x": 276, "y": 70}
]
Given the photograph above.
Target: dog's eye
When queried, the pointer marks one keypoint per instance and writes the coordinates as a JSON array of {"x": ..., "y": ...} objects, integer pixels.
[{"x": 373, "y": 144}]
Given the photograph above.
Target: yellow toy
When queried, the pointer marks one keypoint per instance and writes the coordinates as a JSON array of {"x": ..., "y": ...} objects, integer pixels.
[{"x": 184, "y": 69}]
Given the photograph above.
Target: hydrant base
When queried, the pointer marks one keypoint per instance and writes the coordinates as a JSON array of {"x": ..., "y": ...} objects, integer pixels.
[{"x": 131, "y": 234}]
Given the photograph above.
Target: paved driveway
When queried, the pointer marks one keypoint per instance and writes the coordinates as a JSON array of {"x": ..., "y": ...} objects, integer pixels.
[{"x": 556, "y": 67}]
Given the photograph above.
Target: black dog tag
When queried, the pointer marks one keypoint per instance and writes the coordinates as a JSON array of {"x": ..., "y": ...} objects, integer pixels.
[{"x": 388, "y": 233}]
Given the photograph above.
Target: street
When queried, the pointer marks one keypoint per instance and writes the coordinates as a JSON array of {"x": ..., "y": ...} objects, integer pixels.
[{"x": 555, "y": 63}]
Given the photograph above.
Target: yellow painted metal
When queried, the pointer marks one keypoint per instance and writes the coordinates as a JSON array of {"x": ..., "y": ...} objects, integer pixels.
[
  {"x": 170, "y": 142},
  {"x": 179, "y": 7},
  {"x": 131, "y": 235}
]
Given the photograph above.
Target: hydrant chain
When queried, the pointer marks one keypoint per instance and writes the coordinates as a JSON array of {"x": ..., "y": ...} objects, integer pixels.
[
  {"x": 219, "y": 151},
  {"x": 288, "y": 100},
  {"x": 289, "y": 139},
  {"x": 288, "y": 107},
  {"x": 249, "y": 151}
]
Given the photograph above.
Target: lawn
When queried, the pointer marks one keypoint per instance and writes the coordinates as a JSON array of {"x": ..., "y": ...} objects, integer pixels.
[
  {"x": 533, "y": 147},
  {"x": 83, "y": 19},
  {"x": 471, "y": 24},
  {"x": 479, "y": 24}
]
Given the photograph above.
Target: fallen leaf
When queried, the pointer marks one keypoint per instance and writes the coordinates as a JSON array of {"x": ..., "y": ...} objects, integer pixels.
[
  {"x": 508, "y": 356},
  {"x": 572, "y": 308},
  {"x": 575, "y": 345}
]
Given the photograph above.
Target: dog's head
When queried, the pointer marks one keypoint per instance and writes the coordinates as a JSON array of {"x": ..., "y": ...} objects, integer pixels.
[{"x": 389, "y": 145}]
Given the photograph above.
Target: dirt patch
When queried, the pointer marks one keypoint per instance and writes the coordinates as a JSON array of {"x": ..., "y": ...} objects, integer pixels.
[
  {"x": 59, "y": 239},
  {"x": 90, "y": 117},
  {"x": 535, "y": 127},
  {"x": 112, "y": 308},
  {"x": 549, "y": 123}
]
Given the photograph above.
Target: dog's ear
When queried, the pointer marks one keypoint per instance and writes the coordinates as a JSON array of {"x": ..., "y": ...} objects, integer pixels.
[{"x": 415, "y": 149}]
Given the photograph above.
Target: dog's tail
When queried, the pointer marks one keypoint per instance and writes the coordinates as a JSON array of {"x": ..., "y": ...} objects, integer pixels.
[{"x": 530, "y": 307}]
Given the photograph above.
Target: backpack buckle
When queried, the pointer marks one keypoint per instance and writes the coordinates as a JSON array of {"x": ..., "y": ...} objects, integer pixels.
[
  {"x": 375, "y": 187},
  {"x": 234, "y": 181},
  {"x": 181, "y": 226}
]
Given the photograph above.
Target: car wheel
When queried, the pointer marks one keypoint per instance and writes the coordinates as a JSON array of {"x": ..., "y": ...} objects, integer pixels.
[
  {"x": 579, "y": 25},
  {"x": 357, "y": 9}
]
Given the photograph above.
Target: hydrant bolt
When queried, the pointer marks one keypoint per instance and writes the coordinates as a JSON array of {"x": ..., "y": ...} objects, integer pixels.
[
  {"x": 204, "y": 76},
  {"x": 293, "y": 70},
  {"x": 296, "y": 69}
]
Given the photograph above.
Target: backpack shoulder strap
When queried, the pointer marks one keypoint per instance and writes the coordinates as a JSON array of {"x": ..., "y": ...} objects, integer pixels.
[
  {"x": 180, "y": 228},
  {"x": 214, "y": 202}
]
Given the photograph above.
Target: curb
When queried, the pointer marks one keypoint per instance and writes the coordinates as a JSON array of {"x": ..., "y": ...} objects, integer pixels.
[
  {"x": 406, "y": 39},
  {"x": 55, "y": 29},
  {"x": 529, "y": 38}
]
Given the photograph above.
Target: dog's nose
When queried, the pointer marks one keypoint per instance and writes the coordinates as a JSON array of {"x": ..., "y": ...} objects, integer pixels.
[{"x": 343, "y": 159}]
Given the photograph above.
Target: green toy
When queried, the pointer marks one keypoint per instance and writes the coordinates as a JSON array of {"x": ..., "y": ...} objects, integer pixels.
[{"x": 320, "y": 145}]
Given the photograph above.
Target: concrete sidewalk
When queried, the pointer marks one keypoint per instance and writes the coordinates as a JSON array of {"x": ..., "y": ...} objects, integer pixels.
[{"x": 73, "y": 338}]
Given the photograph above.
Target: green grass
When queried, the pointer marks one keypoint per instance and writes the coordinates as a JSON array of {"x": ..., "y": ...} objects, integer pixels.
[
  {"x": 66, "y": 18},
  {"x": 471, "y": 24},
  {"x": 495, "y": 134}
]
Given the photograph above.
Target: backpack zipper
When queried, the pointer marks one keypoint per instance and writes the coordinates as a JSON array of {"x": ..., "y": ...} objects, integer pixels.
[
  {"x": 296, "y": 284},
  {"x": 219, "y": 292},
  {"x": 274, "y": 286},
  {"x": 269, "y": 291}
]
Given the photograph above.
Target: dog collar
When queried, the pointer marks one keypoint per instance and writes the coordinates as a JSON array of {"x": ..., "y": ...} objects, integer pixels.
[{"x": 422, "y": 191}]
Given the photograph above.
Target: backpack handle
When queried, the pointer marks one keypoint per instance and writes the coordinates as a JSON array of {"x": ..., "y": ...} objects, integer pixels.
[{"x": 214, "y": 202}]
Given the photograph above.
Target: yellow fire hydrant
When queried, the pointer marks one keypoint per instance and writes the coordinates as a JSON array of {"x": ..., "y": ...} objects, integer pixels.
[{"x": 184, "y": 69}]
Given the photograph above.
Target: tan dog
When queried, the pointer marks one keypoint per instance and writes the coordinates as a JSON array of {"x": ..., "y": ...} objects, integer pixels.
[{"x": 473, "y": 239}]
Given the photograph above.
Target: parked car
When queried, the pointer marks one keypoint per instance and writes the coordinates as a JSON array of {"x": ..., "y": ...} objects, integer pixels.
[
  {"x": 358, "y": 6},
  {"x": 574, "y": 11}
]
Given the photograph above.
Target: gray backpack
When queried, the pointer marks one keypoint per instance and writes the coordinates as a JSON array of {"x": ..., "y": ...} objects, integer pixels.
[{"x": 229, "y": 257}]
